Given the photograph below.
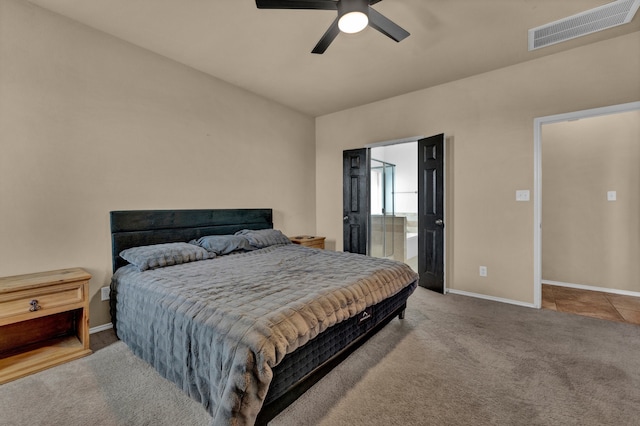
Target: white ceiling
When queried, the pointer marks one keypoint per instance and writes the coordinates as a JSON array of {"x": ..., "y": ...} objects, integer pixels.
[{"x": 268, "y": 51}]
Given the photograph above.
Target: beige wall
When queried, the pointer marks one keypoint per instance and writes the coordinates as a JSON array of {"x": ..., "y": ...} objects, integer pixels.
[
  {"x": 90, "y": 124},
  {"x": 488, "y": 119},
  {"x": 585, "y": 238}
]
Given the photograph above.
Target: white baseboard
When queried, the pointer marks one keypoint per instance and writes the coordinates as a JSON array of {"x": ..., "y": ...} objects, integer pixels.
[
  {"x": 495, "y": 299},
  {"x": 100, "y": 328},
  {"x": 592, "y": 288}
]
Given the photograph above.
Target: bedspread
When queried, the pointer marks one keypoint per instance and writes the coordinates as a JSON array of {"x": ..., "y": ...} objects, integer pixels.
[{"x": 217, "y": 327}]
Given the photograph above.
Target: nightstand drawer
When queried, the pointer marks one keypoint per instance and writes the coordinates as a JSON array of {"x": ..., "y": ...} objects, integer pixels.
[
  {"x": 40, "y": 301},
  {"x": 319, "y": 245},
  {"x": 308, "y": 241}
]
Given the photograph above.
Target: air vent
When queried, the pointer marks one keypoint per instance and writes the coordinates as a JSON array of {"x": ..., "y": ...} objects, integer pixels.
[{"x": 610, "y": 15}]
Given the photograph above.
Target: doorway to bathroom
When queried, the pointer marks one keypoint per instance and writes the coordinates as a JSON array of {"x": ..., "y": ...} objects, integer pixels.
[
  {"x": 394, "y": 202},
  {"x": 394, "y": 199}
]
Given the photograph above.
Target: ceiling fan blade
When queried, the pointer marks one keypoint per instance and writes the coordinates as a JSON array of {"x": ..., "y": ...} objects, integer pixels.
[
  {"x": 327, "y": 38},
  {"x": 372, "y": 2},
  {"x": 386, "y": 26},
  {"x": 297, "y": 4}
]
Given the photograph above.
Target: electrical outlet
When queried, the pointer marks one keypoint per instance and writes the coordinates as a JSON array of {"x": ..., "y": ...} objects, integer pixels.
[
  {"x": 483, "y": 271},
  {"x": 104, "y": 293}
]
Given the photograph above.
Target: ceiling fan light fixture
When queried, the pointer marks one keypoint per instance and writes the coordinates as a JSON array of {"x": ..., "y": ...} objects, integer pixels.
[
  {"x": 354, "y": 16},
  {"x": 353, "y": 22}
]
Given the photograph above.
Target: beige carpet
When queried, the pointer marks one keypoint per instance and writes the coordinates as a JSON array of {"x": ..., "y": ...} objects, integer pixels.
[{"x": 454, "y": 360}]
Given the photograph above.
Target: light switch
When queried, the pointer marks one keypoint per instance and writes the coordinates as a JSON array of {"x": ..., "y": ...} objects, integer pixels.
[
  {"x": 611, "y": 195},
  {"x": 522, "y": 195}
]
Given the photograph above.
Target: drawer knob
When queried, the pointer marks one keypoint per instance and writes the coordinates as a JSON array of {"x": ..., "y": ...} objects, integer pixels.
[{"x": 34, "y": 306}]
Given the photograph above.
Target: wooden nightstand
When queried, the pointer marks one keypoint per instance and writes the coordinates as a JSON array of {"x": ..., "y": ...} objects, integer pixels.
[
  {"x": 44, "y": 321},
  {"x": 308, "y": 241}
]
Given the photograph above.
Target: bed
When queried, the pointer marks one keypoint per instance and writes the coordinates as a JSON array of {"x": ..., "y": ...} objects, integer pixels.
[{"x": 244, "y": 333}]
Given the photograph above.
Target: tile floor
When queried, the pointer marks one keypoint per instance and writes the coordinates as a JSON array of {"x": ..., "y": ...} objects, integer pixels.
[{"x": 609, "y": 306}]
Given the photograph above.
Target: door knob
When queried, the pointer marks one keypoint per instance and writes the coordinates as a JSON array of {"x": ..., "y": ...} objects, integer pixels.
[
  {"x": 440, "y": 222},
  {"x": 346, "y": 218}
]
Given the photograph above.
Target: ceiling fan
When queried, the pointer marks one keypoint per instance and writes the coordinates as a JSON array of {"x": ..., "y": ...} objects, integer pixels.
[{"x": 353, "y": 16}]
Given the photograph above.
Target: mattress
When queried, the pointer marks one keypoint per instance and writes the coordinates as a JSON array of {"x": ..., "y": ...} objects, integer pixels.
[
  {"x": 218, "y": 328},
  {"x": 305, "y": 359}
]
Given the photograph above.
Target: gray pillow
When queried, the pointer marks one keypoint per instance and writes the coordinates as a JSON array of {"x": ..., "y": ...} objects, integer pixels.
[
  {"x": 264, "y": 237},
  {"x": 160, "y": 255},
  {"x": 223, "y": 244}
]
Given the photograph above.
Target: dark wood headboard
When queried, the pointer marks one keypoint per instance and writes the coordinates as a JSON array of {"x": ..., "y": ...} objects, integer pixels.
[{"x": 132, "y": 228}]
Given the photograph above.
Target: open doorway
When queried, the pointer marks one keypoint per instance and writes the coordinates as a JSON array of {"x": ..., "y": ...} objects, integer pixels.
[
  {"x": 396, "y": 226},
  {"x": 586, "y": 202},
  {"x": 394, "y": 202}
]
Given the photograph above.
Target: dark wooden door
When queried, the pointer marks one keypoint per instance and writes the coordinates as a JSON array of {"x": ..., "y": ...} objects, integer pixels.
[
  {"x": 431, "y": 213},
  {"x": 355, "y": 200}
]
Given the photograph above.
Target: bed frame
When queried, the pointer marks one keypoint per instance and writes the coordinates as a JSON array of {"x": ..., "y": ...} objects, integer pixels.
[{"x": 144, "y": 227}]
